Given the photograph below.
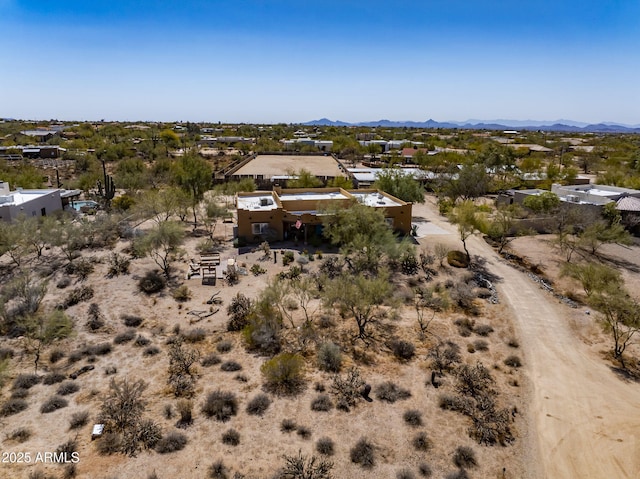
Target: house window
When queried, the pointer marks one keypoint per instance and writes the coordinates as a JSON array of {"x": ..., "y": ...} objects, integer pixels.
[
  {"x": 259, "y": 228},
  {"x": 43, "y": 212},
  {"x": 389, "y": 222}
]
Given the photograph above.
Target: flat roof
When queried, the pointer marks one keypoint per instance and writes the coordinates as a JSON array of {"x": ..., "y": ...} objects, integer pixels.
[
  {"x": 313, "y": 196},
  {"x": 16, "y": 198},
  {"x": 273, "y": 165},
  {"x": 375, "y": 199},
  {"x": 259, "y": 202}
]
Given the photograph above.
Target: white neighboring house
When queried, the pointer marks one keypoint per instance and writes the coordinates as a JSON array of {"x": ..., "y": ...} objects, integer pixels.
[{"x": 27, "y": 202}]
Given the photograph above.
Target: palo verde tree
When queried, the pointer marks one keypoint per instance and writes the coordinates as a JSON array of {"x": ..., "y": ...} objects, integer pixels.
[
  {"x": 193, "y": 175},
  {"x": 303, "y": 179},
  {"x": 359, "y": 297},
  {"x": 469, "y": 221},
  {"x": 162, "y": 243},
  {"x": 399, "y": 184}
]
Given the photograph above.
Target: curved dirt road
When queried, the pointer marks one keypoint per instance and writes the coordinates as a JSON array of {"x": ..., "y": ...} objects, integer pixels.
[{"x": 585, "y": 421}]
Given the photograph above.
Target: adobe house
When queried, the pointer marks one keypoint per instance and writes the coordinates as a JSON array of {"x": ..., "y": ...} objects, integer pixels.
[{"x": 297, "y": 213}]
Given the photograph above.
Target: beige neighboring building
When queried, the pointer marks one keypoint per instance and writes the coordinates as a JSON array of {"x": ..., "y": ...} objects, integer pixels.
[{"x": 295, "y": 213}]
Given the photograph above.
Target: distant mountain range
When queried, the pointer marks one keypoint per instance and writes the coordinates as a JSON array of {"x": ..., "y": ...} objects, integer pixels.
[{"x": 558, "y": 125}]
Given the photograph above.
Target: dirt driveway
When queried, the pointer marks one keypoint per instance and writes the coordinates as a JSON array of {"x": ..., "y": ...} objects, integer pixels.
[{"x": 585, "y": 421}]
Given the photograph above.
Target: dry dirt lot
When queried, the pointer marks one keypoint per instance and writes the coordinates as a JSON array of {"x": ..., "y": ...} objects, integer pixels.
[{"x": 270, "y": 165}]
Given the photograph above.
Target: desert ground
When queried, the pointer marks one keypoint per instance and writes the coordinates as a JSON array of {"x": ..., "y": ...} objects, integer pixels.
[{"x": 573, "y": 415}]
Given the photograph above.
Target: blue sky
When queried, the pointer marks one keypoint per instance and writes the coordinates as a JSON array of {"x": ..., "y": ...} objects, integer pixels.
[{"x": 268, "y": 61}]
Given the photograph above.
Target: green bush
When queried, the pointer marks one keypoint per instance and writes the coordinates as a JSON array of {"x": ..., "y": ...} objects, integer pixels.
[
  {"x": 239, "y": 310},
  {"x": 182, "y": 293},
  {"x": 284, "y": 374},
  {"x": 329, "y": 357},
  {"x": 152, "y": 282},
  {"x": 287, "y": 258}
]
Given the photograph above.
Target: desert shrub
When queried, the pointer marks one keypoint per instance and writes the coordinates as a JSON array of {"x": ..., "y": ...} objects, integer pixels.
[
  {"x": 304, "y": 432},
  {"x": 391, "y": 392},
  {"x": 464, "y": 457},
  {"x": 153, "y": 475},
  {"x": 182, "y": 293},
  {"x": 230, "y": 366},
  {"x": 118, "y": 265},
  {"x": 218, "y": 470},
  {"x": 231, "y": 437},
  {"x": 483, "y": 330},
  {"x": 101, "y": 349},
  {"x": 459, "y": 474},
  {"x": 325, "y": 446},
  {"x": 322, "y": 403},
  {"x": 465, "y": 326},
  {"x": 405, "y": 474},
  {"x": 363, "y": 453},
  {"x": 77, "y": 295},
  {"x": 239, "y": 310},
  {"x": 6, "y": 353},
  {"x": 151, "y": 351},
  {"x": 263, "y": 332},
  {"x": 210, "y": 360},
  {"x": 141, "y": 341},
  {"x": 68, "y": 387},
  {"x": 455, "y": 403},
  {"x": 185, "y": 409},
  {"x": 63, "y": 282},
  {"x": 421, "y": 442},
  {"x": 173, "y": 441},
  {"x": 26, "y": 381},
  {"x": 131, "y": 321},
  {"x": 457, "y": 259},
  {"x": 13, "y": 406},
  {"x": 95, "y": 319},
  {"x": 220, "y": 405},
  {"x": 283, "y": 374},
  {"x": 444, "y": 356},
  {"x": 53, "y": 404},
  {"x": 473, "y": 380},
  {"x": 258, "y": 405},
  {"x": 288, "y": 425},
  {"x": 231, "y": 275},
  {"x": 224, "y": 346},
  {"x": 257, "y": 270},
  {"x": 80, "y": 268},
  {"x": 287, "y": 258},
  {"x": 347, "y": 389},
  {"x": 109, "y": 443},
  {"x": 481, "y": 345},
  {"x": 329, "y": 357},
  {"x": 152, "y": 282},
  {"x": 241, "y": 378},
  {"x": 195, "y": 335},
  {"x": 19, "y": 393},
  {"x": 53, "y": 378},
  {"x": 299, "y": 467},
  {"x": 319, "y": 387},
  {"x": 19, "y": 435},
  {"x": 125, "y": 337},
  {"x": 403, "y": 350},
  {"x": 168, "y": 411},
  {"x": 424, "y": 469},
  {"x": 513, "y": 361},
  {"x": 68, "y": 447},
  {"x": 55, "y": 355},
  {"x": 413, "y": 417},
  {"x": 513, "y": 343},
  {"x": 78, "y": 419}
]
